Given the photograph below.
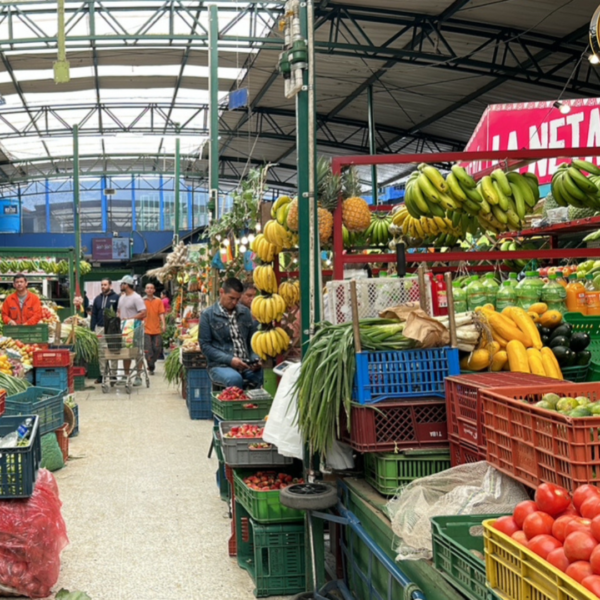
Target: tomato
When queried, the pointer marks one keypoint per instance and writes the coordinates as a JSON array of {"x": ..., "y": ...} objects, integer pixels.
[
  {"x": 578, "y": 524},
  {"x": 522, "y": 510},
  {"x": 579, "y": 545},
  {"x": 552, "y": 499},
  {"x": 595, "y": 560},
  {"x": 542, "y": 545},
  {"x": 559, "y": 527},
  {"x": 579, "y": 570},
  {"x": 571, "y": 510},
  {"x": 506, "y": 525},
  {"x": 558, "y": 559},
  {"x": 583, "y": 492},
  {"x": 592, "y": 583},
  {"x": 520, "y": 537},
  {"x": 591, "y": 507},
  {"x": 538, "y": 523},
  {"x": 595, "y": 527}
]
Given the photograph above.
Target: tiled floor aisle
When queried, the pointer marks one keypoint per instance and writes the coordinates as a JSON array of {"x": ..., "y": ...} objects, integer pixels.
[{"x": 141, "y": 504}]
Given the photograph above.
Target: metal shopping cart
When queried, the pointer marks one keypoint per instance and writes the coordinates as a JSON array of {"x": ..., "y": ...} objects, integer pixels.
[{"x": 119, "y": 347}]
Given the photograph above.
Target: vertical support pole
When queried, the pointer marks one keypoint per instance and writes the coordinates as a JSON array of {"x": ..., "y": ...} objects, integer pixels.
[
  {"x": 422, "y": 284},
  {"x": 176, "y": 190},
  {"x": 48, "y": 219},
  {"x": 133, "y": 206},
  {"x": 213, "y": 107},
  {"x": 372, "y": 146},
  {"x": 103, "y": 204},
  {"x": 77, "y": 206},
  {"x": 451, "y": 319},
  {"x": 161, "y": 202}
]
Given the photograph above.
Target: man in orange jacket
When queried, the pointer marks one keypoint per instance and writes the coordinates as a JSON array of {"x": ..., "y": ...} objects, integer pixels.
[{"x": 22, "y": 307}]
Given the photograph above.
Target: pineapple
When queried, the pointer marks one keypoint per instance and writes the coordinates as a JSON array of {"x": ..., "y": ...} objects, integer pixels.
[
  {"x": 292, "y": 221},
  {"x": 325, "y": 225},
  {"x": 355, "y": 211}
]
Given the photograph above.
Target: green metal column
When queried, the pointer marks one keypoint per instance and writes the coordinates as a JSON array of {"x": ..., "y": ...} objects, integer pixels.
[
  {"x": 176, "y": 185},
  {"x": 75, "y": 284},
  {"x": 372, "y": 146},
  {"x": 213, "y": 86}
]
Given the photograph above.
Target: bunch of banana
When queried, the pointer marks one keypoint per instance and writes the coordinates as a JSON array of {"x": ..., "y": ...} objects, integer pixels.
[
  {"x": 277, "y": 234},
  {"x": 280, "y": 209},
  {"x": 270, "y": 343},
  {"x": 571, "y": 187},
  {"x": 426, "y": 230},
  {"x": 427, "y": 193},
  {"x": 266, "y": 309},
  {"x": 264, "y": 249},
  {"x": 265, "y": 280},
  {"x": 378, "y": 232},
  {"x": 290, "y": 292},
  {"x": 510, "y": 245}
]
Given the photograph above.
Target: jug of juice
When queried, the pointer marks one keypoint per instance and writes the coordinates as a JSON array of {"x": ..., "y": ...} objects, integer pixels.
[{"x": 576, "y": 295}]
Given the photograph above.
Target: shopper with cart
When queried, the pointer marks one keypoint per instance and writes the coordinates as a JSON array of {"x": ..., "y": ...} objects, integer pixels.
[
  {"x": 132, "y": 312},
  {"x": 225, "y": 335},
  {"x": 22, "y": 307},
  {"x": 107, "y": 299},
  {"x": 154, "y": 327}
]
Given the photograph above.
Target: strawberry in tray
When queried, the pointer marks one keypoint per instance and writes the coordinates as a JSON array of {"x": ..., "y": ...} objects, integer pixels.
[
  {"x": 267, "y": 481},
  {"x": 245, "y": 431},
  {"x": 232, "y": 394}
]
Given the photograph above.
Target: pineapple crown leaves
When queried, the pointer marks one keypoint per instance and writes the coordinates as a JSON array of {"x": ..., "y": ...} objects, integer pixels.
[{"x": 329, "y": 186}]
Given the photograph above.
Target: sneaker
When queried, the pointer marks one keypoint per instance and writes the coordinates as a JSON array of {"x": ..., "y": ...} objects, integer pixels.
[
  {"x": 151, "y": 372},
  {"x": 99, "y": 380},
  {"x": 137, "y": 382}
]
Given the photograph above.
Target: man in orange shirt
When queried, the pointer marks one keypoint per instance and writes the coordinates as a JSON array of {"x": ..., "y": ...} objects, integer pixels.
[
  {"x": 154, "y": 327},
  {"x": 22, "y": 307}
]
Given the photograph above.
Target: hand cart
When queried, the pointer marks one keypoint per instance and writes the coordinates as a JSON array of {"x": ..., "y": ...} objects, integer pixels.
[{"x": 123, "y": 346}]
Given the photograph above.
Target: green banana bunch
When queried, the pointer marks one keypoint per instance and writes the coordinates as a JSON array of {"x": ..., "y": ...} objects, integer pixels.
[
  {"x": 378, "y": 232},
  {"x": 570, "y": 187}
]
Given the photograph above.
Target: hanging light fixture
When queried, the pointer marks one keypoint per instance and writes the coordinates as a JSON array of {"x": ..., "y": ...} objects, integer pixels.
[
  {"x": 594, "y": 59},
  {"x": 565, "y": 109}
]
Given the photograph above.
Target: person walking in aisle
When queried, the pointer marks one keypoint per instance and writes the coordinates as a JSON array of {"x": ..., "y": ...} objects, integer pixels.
[
  {"x": 225, "y": 334},
  {"x": 248, "y": 295},
  {"x": 154, "y": 327},
  {"x": 132, "y": 312},
  {"x": 107, "y": 299},
  {"x": 22, "y": 307},
  {"x": 164, "y": 296}
]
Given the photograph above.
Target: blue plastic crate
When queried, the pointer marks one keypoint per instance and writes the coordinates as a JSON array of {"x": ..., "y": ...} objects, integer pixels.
[
  {"x": 75, "y": 431},
  {"x": 53, "y": 377},
  {"x": 198, "y": 397},
  {"x": 45, "y": 402},
  {"x": 19, "y": 466},
  {"x": 403, "y": 374}
]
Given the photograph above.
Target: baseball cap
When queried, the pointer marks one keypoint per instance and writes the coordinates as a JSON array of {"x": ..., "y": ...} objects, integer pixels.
[{"x": 128, "y": 279}]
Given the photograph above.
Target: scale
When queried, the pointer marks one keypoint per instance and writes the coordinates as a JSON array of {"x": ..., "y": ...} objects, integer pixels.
[
  {"x": 281, "y": 368},
  {"x": 259, "y": 394}
]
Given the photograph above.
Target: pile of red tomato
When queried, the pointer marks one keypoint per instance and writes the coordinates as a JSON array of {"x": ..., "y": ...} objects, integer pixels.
[
  {"x": 562, "y": 530},
  {"x": 232, "y": 394}
]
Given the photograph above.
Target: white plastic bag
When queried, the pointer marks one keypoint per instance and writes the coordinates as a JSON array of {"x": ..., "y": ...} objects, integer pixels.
[
  {"x": 473, "y": 489},
  {"x": 281, "y": 428}
]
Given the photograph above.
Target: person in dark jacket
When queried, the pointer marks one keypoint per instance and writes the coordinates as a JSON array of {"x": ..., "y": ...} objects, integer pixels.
[
  {"x": 103, "y": 301},
  {"x": 225, "y": 334}
]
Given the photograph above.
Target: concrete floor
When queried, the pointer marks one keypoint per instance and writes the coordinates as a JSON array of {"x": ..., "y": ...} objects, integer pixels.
[{"x": 141, "y": 504}]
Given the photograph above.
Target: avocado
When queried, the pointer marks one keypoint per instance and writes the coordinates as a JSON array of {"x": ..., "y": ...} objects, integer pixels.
[
  {"x": 583, "y": 358},
  {"x": 571, "y": 358},
  {"x": 545, "y": 339},
  {"x": 559, "y": 340},
  {"x": 579, "y": 341},
  {"x": 545, "y": 331},
  {"x": 561, "y": 330}
]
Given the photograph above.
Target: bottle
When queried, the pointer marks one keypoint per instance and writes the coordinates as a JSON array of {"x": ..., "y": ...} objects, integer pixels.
[
  {"x": 506, "y": 296},
  {"x": 476, "y": 294},
  {"x": 439, "y": 289},
  {"x": 460, "y": 298},
  {"x": 554, "y": 294},
  {"x": 528, "y": 291},
  {"x": 576, "y": 295},
  {"x": 19, "y": 436},
  {"x": 592, "y": 297},
  {"x": 489, "y": 283},
  {"x": 513, "y": 279}
]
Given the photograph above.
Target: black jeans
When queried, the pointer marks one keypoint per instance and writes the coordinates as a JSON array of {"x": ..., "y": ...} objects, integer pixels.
[{"x": 153, "y": 347}]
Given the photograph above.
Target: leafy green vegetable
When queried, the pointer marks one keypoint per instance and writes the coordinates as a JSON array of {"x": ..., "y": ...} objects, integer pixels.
[{"x": 66, "y": 595}]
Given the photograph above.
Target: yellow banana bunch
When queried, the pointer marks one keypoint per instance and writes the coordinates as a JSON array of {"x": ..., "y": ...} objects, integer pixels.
[
  {"x": 270, "y": 343},
  {"x": 290, "y": 292},
  {"x": 264, "y": 249},
  {"x": 280, "y": 208},
  {"x": 399, "y": 216},
  {"x": 277, "y": 235},
  {"x": 265, "y": 280},
  {"x": 266, "y": 309}
]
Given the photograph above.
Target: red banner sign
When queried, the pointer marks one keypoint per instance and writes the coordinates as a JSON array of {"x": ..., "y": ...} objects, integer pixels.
[{"x": 537, "y": 125}]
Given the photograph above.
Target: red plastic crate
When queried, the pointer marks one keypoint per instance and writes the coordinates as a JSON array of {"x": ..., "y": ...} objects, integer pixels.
[
  {"x": 462, "y": 454},
  {"x": 63, "y": 440},
  {"x": 534, "y": 445},
  {"x": 465, "y": 418},
  {"x": 53, "y": 358},
  {"x": 392, "y": 424},
  {"x": 2, "y": 402},
  {"x": 78, "y": 371}
]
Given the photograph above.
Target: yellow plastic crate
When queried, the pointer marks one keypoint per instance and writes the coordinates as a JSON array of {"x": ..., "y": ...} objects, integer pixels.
[{"x": 515, "y": 573}]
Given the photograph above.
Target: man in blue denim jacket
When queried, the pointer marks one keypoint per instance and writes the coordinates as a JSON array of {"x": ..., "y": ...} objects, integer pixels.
[{"x": 226, "y": 330}]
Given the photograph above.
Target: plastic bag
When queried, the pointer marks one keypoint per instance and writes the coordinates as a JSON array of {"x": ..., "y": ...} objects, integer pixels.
[
  {"x": 281, "y": 428},
  {"x": 52, "y": 456},
  {"x": 473, "y": 489},
  {"x": 32, "y": 536}
]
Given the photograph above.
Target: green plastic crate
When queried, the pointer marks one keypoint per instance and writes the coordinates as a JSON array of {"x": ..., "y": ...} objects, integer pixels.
[
  {"x": 576, "y": 374},
  {"x": 589, "y": 325},
  {"x": 28, "y": 334},
  {"x": 235, "y": 411},
  {"x": 456, "y": 540},
  {"x": 47, "y": 403},
  {"x": 273, "y": 555},
  {"x": 263, "y": 507},
  {"x": 222, "y": 483},
  {"x": 79, "y": 383},
  {"x": 93, "y": 371},
  {"x": 387, "y": 473}
]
